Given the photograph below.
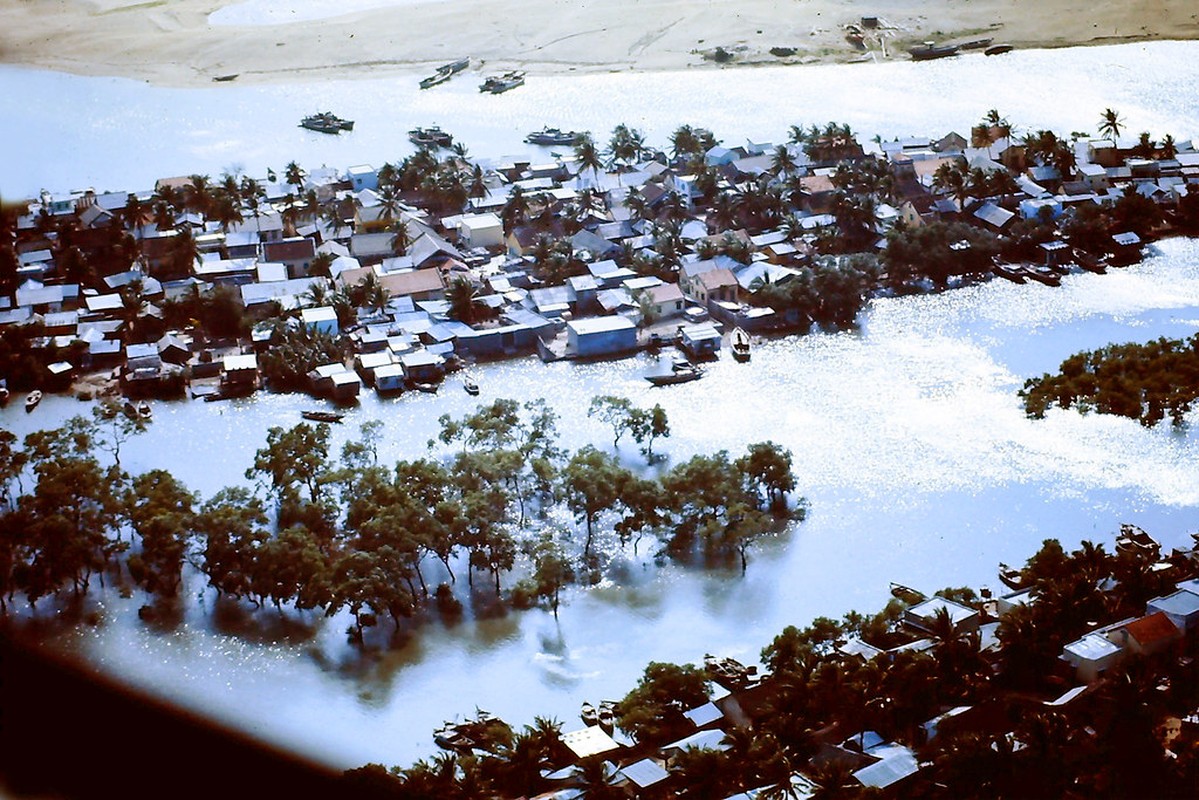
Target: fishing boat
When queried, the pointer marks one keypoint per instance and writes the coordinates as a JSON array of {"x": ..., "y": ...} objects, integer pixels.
[
  {"x": 4, "y": 393},
  {"x": 430, "y": 137},
  {"x": 906, "y": 593},
  {"x": 226, "y": 78},
  {"x": 144, "y": 411},
  {"x": 1043, "y": 274},
  {"x": 975, "y": 44},
  {"x": 677, "y": 375},
  {"x": 425, "y": 386},
  {"x": 1089, "y": 262},
  {"x": 739, "y": 343},
  {"x": 997, "y": 49},
  {"x": 930, "y": 50},
  {"x": 323, "y": 416},
  {"x": 553, "y": 136},
  {"x": 498, "y": 84},
  {"x": 1012, "y": 272},
  {"x": 1012, "y": 578},
  {"x": 606, "y": 717},
  {"x": 444, "y": 73},
  {"x": 589, "y": 714},
  {"x": 470, "y": 385},
  {"x": 325, "y": 122},
  {"x": 1135, "y": 541},
  {"x": 130, "y": 409},
  {"x": 32, "y": 399}
]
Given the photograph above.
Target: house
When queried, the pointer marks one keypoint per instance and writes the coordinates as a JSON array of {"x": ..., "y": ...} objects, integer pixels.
[
  {"x": 1126, "y": 248},
  {"x": 717, "y": 285},
  {"x": 320, "y": 379},
  {"x": 143, "y": 364},
  {"x": 368, "y": 364},
  {"x": 1092, "y": 656},
  {"x": 600, "y": 336},
  {"x": 296, "y": 253},
  {"x": 923, "y": 616},
  {"x": 345, "y": 386},
  {"x": 662, "y": 301},
  {"x": 700, "y": 341},
  {"x": 322, "y": 319},
  {"x": 1148, "y": 635},
  {"x": 480, "y": 230},
  {"x": 240, "y": 372},
  {"x": 362, "y": 177},
  {"x": 994, "y": 217},
  {"x": 389, "y": 378},
  {"x": 1182, "y": 608},
  {"x": 422, "y": 366},
  {"x": 173, "y": 350}
]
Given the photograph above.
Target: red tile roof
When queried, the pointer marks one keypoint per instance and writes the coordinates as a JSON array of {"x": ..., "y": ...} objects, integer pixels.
[{"x": 1152, "y": 629}]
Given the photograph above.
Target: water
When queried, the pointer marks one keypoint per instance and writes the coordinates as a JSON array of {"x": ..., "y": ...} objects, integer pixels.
[
  {"x": 909, "y": 442},
  {"x": 121, "y": 135},
  {"x": 908, "y": 437}
]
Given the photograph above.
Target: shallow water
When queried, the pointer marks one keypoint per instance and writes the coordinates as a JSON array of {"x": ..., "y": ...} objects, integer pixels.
[{"x": 909, "y": 443}]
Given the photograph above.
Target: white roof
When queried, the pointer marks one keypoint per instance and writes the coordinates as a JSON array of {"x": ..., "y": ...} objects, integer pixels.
[
  {"x": 929, "y": 608},
  {"x": 582, "y": 327},
  {"x": 589, "y": 741},
  {"x": 271, "y": 271},
  {"x": 319, "y": 314},
  {"x": 897, "y": 763},
  {"x": 712, "y": 739},
  {"x": 345, "y": 379},
  {"x": 1092, "y": 647},
  {"x": 235, "y": 363},
  {"x": 704, "y": 714},
  {"x": 645, "y": 772}
]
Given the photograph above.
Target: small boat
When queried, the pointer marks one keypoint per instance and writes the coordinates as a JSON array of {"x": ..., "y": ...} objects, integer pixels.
[
  {"x": 676, "y": 376},
  {"x": 1134, "y": 540},
  {"x": 425, "y": 386},
  {"x": 1043, "y": 274},
  {"x": 607, "y": 715},
  {"x": 470, "y": 385},
  {"x": 681, "y": 365},
  {"x": 498, "y": 84},
  {"x": 1089, "y": 262},
  {"x": 1013, "y": 273},
  {"x": 32, "y": 399},
  {"x": 1012, "y": 578},
  {"x": 430, "y": 137},
  {"x": 589, "y": 714},
  {"x": 975, "y": 44},
  {"x": 553, "y": 136},
  {"x": 739, "y": 343},
  {"x": 130, "y": 409},
  {"x": 226, "y": 78},
  {"x": 444, "y": 73},
  {"x": 930, "y": 50},
  {"x": 998, "y": 49},
  {"x": 144, "y": 411},
  {"x": 906, "y": 593},
  {"x": 322, "y": 416},
  {"x": 325, "y": 122},
  {"x": 4, "y": 394}
]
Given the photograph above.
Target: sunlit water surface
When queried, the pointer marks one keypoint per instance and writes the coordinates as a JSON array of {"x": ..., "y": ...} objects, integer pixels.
[{"x": 908, "y": 438}]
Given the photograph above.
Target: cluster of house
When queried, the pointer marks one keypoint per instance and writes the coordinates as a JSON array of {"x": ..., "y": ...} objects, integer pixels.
[{"x": 608, "y": 309}]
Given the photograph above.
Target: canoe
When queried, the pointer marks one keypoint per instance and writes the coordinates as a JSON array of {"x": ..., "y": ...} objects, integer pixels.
[
  {"x": 33, "y": 399},
  {"x": 322, "y": 416},
  {"x": 677, "y": 376},
  {"x": 997, "y": 49}
]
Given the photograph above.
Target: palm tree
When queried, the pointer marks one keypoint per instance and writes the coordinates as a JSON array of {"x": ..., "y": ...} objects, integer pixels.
[
  {"x": 318, "y": 293},
  {"x": 588, "y": 156},
  {"x": 199, "y": 195},
  {"x": 389, "y": 202},
  {"x": 782, "y": 162},
  {"x": 293, "y": 175},
  {"x": 461, "y": 295},
  {"x": 1110, "y": 124},
  {"x": 321, "y": 265},
  {"x": 184, "y": 251},
  {"x": 1169, "y": 147},
  {"x": 401, "y": 239},
  {"x": 134, "y": 214}
]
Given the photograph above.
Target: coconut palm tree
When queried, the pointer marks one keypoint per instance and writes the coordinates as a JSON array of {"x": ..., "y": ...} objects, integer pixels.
[
  {"x": 587, "y": 156},
  {"x": 318, "y": 293},
  {"x": 198, "y": 195},
  {"x": 461, "y": 295},
  {"x": 782, "y": 162},
  {"x": 321, "y": 265},
  {"x": 1110, "y": 123}
]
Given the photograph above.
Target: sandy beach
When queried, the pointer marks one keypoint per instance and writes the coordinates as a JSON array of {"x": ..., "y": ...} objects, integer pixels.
[{"x": 175, "y": 43}]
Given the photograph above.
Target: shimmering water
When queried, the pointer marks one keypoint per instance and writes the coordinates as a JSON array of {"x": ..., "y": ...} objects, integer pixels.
[{"x": 909, "y": 442}]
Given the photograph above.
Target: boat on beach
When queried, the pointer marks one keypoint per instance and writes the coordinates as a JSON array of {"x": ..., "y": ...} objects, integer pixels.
[
  {"x": 32, "y": 399},
  {"x": 444, "y": 73},
  {"x": 739, "y": 343},
  {"x": 425, "y": 386},
  {"x": 930, "y": 50},
  {"x": 1043, "y": 274},
  {"x": 998, "y": 49},
  {"x": 975, "y": 44},
  {"x": 326, "y": 122},
  {"x": 226, "y": 78},
  {"x": 322, "y": 416},
  {"x": 553, "y": 136},
  {"x": 432, "y": 136},
  {"x": 498, "y": 84}
]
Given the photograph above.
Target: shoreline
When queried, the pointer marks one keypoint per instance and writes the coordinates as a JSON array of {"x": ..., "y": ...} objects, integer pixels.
[{"x": 176, "y": 46}]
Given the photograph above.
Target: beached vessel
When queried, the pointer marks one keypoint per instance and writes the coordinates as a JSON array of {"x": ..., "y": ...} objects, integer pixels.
[
  {"x": 677, "y": 375},
  {"x": 997, "y": 49},
  {"x": 322, "y": 416},
  {"x": 32, "y": 399},
  {"x": 424, "y": 386},
  {"x": 325, "y": 122},
  {"x": 444, "y": 73},
  {"x": 588, "y": 714},
  {"x": 975, "y": 44},
  {"x": 432, "y": 136},
  {"x": 498, "y": 84},
  {"x": 4, "y": 394},
  {"x": 1013, "y": 272},
  {"x": 739, "y": 343},
  {"x": 1043, "y": 274},
  {"x": 226, "y": 78},
  {"x": 553, "y": 136},
  {"x": 1135, "y": 541},
  {"x": 930, "y": 50}
]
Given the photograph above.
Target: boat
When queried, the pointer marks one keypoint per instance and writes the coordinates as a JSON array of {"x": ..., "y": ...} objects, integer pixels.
[
  {"x": 906, "y": 594},
  {"x": 589, "y": 714},
  {"x": 430, "y": 137},
  {"x": 675, "y": 376},
  {"x": 975, "y": 44},
  {"x": 1135, "y": 541},
  {"x": 498, "y": 84},
  {"x": 681, "y": 365},
  {"x": 997, "y": 49},
  {"x": 1012, "y": 578},
  {"x": 323, "y": 416},
  {"x": 470, "y": 385},
  {"x": 226, "y": 78},
  {"x": 1043, "y": 274},
  {"x": 444, "y": 73},
  {"x": 144, "y": 411},
  {"x": 1013, "y": 273},
  {"x": 930, "y": 50},
  {"x": 425, "y": 386},
  {"x": 130, "y": 409},
  {"x": 606, "y": 717},
  {"x": 325, "y": 122},
  {"x": 484, "y": 732},
  {"x": 32, "y": 399},
  {"x": 1089, "y": 262},
  {"x": 739, "y": 343},
  {"x": 552, "y": 136},
  {"x": 729, "y": 672}
]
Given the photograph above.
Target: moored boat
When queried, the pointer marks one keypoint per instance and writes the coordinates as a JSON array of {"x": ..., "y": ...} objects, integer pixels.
[
  {"x": 1013, "y": 272},
  {"x": 930, "y": 50},
  {"x": 998, "y": 49},
  {"x": 1012, "y": 578},
  {"x": 144, "y": 411},
  {"x": 322, "y": 416},
  {"x": 445, "y": 72},
  {"x": 589, "y": 714},
  {"x": 4, "y": 394},
  {"x": 553, "y": 136},
  {"x": 975, "y": 44},
  {"x": 32, "y": 399},
  {"x": 1043, "y": 275},
  {"x": 739, "y": 343},
  {"x": 425, "y": 386},
  {"x": 906, "y": 594},
  {"x": 1135, "y": 541},
  {"x": 677, "y": 375},
  {"x": 432, "y": 136},
  {"x": 470, "y": 384},
  {"x": 498, "y": 84},
  {"x": 325, "y": 122},
  {"x": 226, "y": 78}
]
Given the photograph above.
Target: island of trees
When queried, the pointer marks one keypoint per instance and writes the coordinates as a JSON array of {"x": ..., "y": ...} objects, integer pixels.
[
  {"x": 315, "y": 532},
  {"x": 1145, "y": 382}
]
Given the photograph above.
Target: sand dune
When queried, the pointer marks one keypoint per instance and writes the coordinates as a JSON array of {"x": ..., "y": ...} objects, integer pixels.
[{"x": 172, "y": 42}]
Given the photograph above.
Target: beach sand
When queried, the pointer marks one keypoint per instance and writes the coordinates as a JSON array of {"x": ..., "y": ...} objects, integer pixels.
[{"x": 170, "y": 42}]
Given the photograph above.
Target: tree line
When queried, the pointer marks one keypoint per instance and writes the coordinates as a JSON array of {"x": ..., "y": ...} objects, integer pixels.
[{"x": 315, "y": 531}]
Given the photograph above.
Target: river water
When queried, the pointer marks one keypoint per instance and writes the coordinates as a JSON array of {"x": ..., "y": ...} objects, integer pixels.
[{"x": 909, "y": 441}]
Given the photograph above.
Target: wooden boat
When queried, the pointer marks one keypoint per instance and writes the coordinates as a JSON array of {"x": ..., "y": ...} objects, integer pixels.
[
  {"x": 739, "y": 343},
  {"x": 130, "y": 409},
  {"x": 607, "y": 715},
  {"x": 445, "y": 72},
  {"x": 1012, "y": 578},
  {"x": 676, "y": 376},
  {"x": 1135, "y": 541},
  {"x": 425, "y": 386},
  {"x": 1089, "y": 262},
  {"x": 430, "y": 137},
  {"x": 4, "y": 394},
  {"x": 144, "y": 411},
  {"x": 1015, "y": 274},
  {"x": 552, "y": 136},
  {"x": 470, "y": 385},
  {"x": 323, "y": 416},
  {"x": 589, "y": 714},
  {"x": 681, "y": 365},
  {"x": 1043, "y": 275},
  {"x": 325, "y": 122},
  {"x": 930, "y": 50},
  {"x": 906, "y": 594},
  {"x": 998, "y": 49},
  {"x": 32, "y": 399},
  {"x": 975, "y": 44},
  {"x": 498, "y": 84},
  {"x": 226, "y": 78}
]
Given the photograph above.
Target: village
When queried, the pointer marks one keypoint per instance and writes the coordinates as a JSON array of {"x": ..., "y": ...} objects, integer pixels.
[
  {"x": 955, "y": 694},
  {"x": 387, "y": 278}
]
